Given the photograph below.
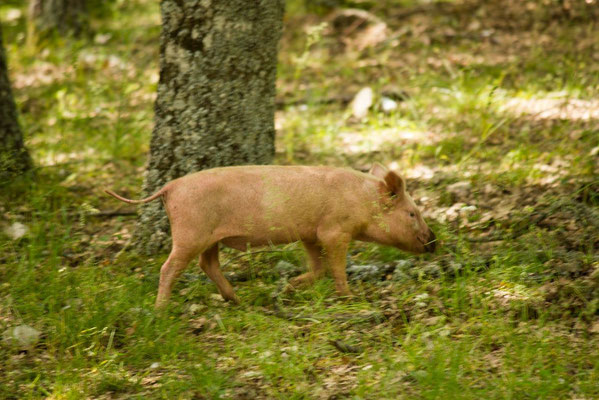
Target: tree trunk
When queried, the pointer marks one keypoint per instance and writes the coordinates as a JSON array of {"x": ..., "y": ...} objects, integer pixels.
[
  {"x": 14, "y": 158},
  {"x": 215, "y": 104},
  {"x": 62, "y": 16}
]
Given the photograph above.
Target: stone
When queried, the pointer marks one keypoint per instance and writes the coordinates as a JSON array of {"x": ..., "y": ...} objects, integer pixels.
[
  {"x": 403, "y": 270},
  {"x": 455, "y": 267},
  {"x": 388, "y": 105},
  {"x": 22, "y": 336},
  {"x": 217, "y": 297},
  {"x": 431, "y": 269},
  {"x": 459, "y": 190},
  {"x": 286, "y": 269},
  {"x": 362, "y": 103},
  {"x": 16, "y": 231},
  {"x": 196, "y": 308},
  {"x": 368, "y": 272}
]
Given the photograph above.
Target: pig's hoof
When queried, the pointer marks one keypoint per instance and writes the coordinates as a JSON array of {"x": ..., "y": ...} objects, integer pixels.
[
  {"x": 160, "y": 305},
  {"x": 233, "y": 299},
  {"x": 299, "y": 281},
  {"x": 289, "y": 288},
  {"x": 346, "y": 296}
]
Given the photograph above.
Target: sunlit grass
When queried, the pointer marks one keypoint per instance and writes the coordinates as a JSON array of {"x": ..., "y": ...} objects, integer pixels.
[{"x": 483, "y": 330}]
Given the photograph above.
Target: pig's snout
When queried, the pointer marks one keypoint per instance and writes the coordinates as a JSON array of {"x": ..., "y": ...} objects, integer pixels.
[{"x": 431, "y": 245}]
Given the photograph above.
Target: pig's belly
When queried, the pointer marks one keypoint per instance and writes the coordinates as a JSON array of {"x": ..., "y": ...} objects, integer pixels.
[{"x": 242, "y": 242}]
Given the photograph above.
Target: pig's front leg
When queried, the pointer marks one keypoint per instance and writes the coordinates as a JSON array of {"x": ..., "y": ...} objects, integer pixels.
[{"x": 335, "y": 246}]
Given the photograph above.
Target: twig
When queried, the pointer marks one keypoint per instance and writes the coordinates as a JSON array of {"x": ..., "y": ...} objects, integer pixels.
[
  {"x": 485, "y": 239},
  {"x": 281, "y": 313},
  {"x": 346, "y": 348},
  {"x": 114, "y": 213}
]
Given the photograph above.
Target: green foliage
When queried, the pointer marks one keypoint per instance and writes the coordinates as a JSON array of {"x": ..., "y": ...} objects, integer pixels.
[{"x": 507, "y": 308}]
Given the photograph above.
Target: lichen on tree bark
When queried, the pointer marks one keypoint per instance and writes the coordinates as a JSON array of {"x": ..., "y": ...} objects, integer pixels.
[
  {"x": 215, "y": 103},
  {"x": 14, "y": 158}
]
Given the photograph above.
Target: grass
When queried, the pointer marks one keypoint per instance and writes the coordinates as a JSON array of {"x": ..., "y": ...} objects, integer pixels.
[{"x": 507, "y": 308}]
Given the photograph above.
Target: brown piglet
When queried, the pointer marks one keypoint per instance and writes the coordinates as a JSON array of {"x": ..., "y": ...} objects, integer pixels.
[{"x": 323, "y": 207}]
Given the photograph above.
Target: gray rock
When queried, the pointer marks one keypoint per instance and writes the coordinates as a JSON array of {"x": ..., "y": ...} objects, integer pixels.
[
  {"x": 368, "y": 272},
  {"x": 362, "y": 103},
  {"x": 286, "y": 269},
  {"x": 191, "y": 277},
  {"x": 196, "y": 308},
  {"x": 404, "y": 264},
  {"x": 459, "y": 190},
  {"x": 16, "y": 231},
  {"x": 431, "y": 269},
  {"x": 22, "y": 336},
  {"x": 400, "y": 276},
  {"x": 454, "y": 267},
  {"x": 403, "y": 270},
  {"x": 388, "y": 105}
]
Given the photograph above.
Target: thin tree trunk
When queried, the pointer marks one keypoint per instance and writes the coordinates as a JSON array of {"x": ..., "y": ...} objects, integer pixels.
[
  {"x": 62, "y": 16},
  {"x": 14, "y": 158},
  {"x": 215, "y": 104}
]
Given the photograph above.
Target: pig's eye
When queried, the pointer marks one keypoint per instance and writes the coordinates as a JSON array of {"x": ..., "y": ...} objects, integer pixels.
[{"x": 412, "y": 214}]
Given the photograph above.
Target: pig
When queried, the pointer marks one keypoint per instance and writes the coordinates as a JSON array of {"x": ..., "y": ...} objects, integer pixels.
[{"x": 323, "y": 207}]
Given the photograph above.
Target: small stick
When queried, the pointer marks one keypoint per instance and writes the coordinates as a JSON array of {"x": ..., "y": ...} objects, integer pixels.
[{"x": 114, "y": 213}]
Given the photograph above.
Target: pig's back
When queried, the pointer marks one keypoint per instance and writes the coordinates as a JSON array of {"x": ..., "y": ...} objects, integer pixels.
[
  {"x": 291, "y": 186},
  {"x": 277, "y": 204}
]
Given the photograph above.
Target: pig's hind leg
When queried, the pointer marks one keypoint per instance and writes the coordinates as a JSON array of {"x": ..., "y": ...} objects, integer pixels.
[
  {"x": 176, "y": 262},
  {"x": 211, "y": 266},
  {"x": 315, "y": 265}
]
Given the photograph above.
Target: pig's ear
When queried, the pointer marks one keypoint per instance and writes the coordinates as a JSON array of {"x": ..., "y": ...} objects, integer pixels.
[
  {"x": 395, "y": 184},
  {"x": 378, "y": 170}
]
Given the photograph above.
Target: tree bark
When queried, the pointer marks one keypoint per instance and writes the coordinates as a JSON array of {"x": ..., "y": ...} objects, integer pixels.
[
  {"x": 14, "y": 158},
  {"x": 215, "y": 104},
  {"x": 62, "y": 16}
]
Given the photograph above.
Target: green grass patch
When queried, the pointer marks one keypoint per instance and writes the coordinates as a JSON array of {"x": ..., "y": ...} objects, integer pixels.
[{"x": 507, "y": 308}]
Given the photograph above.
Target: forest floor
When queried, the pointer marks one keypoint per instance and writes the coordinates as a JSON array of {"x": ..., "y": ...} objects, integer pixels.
[{"x": 490, "y": 110}]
